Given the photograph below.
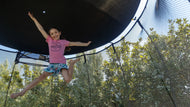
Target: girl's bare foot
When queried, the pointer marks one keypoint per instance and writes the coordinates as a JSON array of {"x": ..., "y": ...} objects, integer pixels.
[
  {"x": 15, "y": 95},
  {"x": 74, "y": 61}
]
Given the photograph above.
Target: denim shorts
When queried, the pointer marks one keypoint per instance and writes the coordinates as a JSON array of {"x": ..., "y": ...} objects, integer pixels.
[{"x": 55, "y": 68}]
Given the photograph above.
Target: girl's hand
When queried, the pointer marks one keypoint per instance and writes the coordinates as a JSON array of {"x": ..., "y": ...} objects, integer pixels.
[
  {"x": 89, "y": 42},
  {"x": 38, "y": 25},
  {"x": 31, "y": 16}
]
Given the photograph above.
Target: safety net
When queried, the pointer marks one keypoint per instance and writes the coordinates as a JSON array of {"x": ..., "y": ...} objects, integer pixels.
[{"x": 148, "y": 66}]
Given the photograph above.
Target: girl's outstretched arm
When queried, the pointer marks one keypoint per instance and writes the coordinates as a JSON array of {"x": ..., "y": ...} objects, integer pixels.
[
  {"x": 79, "y": 43},
  {"x": 38, "y": 25}
]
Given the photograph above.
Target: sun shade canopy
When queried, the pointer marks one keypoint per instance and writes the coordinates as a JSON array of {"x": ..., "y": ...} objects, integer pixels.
[{"x": 99, "y": 21}]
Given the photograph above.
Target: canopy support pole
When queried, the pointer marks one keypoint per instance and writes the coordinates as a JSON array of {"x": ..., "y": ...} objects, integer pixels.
[
  {"x": 124, "y": 79},
  {"x": 162, "y": 59},
  {"x": 12, "y": 73},
  {"x": 84, "y": 58},
  {"x": 118, "y": 59}
]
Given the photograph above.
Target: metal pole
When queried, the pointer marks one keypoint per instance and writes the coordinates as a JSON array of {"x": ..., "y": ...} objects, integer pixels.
[
  {"x": 15, "y": 62},
  {"x": 163, "y": 62}
]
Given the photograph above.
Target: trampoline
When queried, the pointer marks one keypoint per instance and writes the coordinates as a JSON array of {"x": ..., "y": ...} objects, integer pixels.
[
  {"x": 151, "y": 76},
  {"x": 79, "y": 20}
]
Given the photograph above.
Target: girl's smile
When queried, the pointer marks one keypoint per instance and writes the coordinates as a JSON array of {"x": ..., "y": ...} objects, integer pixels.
[{"x": 55, "y": 34}]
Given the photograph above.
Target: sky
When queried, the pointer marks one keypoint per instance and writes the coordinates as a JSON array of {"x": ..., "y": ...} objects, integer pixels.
[{"x": 7, "y": 55}]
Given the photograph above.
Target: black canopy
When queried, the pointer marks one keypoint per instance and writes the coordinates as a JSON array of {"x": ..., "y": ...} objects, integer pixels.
[{"x": 99, "y": 21}]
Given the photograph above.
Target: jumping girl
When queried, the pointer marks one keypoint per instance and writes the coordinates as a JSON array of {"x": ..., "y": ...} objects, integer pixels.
[{"x": 56, "y": 57}]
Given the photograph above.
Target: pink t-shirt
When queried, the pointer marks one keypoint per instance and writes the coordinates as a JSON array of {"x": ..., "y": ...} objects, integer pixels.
[{"x": 56, "y": 50}]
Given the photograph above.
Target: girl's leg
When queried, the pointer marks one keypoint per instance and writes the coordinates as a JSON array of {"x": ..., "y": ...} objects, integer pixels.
[
  {"x": 67, "y": 74},
  {"x": 32, "y": 84},
  {"x": 71, "y": 66}
]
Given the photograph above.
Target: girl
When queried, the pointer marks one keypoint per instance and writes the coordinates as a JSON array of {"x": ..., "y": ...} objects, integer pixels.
[{"x": 57, "y": 60}]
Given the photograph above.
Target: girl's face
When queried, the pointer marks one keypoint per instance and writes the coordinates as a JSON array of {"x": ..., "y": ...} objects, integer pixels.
[{"x": 55, "y": 34}]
